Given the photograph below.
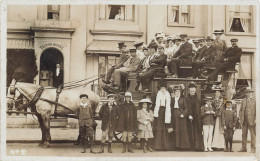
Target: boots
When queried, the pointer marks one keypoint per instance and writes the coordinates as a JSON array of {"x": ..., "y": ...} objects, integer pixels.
[
  {"x": 144, "y": 147},
  {"x": 84, "y": 148},
  {"x": 130, "y": 148},
  {"x": 149, "y": 146},
  {"x": 109, "y": 148},
  {"x": 226, "y": 149},
  {"x": 137, "y": 86},
  {"x": 124, "y": 148},
  {"x": 91, "y": 149},
  {"x": 101, "y": 148},
  {"x": 230, "y": 142}
]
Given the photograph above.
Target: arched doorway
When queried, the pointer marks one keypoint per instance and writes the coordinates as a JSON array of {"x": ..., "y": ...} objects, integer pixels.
[{"x": 49, "y": 58}]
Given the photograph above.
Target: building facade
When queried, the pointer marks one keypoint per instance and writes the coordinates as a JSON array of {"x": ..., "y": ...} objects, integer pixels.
[{"x": 84, "y": 38}]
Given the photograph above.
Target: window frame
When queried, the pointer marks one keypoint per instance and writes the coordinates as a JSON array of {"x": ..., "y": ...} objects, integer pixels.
[
  {"x": 54, "y": 11},
  {"x": 252, "y": 33},
  {"x": 178, "y": 24}
]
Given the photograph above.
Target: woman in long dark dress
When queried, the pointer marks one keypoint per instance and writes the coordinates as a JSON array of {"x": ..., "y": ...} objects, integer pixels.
[
  {"x": 180, "y": 135},
  {"x": 162, "y": 118}
]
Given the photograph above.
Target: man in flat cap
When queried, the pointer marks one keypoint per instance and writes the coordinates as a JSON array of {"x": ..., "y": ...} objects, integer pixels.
[
  {"x": 157, "y": 64},
  {"x": 122, "y": 59},
  {"x": 139, "y": 49},
  {"x": 247, "y": 117},
  {"x": 84, "y": 114},
  {"x": 182, "y": 57},
  {"x": 228, "y": 61},
  {"x": 131, "y": 65}
]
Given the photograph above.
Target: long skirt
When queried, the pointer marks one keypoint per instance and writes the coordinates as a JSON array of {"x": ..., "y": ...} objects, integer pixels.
[
  {"x": 218, "y": 137},
  {"x": 161, "y": 136}
]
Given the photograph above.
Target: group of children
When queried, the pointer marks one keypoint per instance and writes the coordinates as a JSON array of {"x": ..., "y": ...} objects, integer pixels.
[{"x": 127, "y": 119}]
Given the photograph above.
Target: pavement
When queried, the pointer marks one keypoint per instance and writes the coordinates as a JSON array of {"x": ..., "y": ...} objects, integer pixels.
[{"x": 67, "y": 134}]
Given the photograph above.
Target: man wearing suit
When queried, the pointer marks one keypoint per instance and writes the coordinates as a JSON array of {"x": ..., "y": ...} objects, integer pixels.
[
  {"x": 122, "y": 59},
  {"x": 228, "y": 61},
  {"x": 130, "y": 65},
  {"x": 204, "y": 58},
  {"x": 182, "y": 56},
  {"x": 57, "y": 76},
  {"x": 157, "y": 64},
  {"x": 247, "y": 116}
]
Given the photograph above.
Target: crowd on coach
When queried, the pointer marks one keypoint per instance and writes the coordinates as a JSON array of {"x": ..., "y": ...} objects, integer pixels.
[
  {"x": 207, "y": 57},
  {"x": 172, "y": 122}
]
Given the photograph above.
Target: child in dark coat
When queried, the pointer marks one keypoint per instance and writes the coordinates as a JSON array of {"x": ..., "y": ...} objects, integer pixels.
[{"x": 229, "y": 122}]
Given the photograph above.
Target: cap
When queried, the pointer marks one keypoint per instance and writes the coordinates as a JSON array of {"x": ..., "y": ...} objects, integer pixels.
[
  {"x": 208, "y": 98},
  {"x": 132, "y": 50},
  {"x": 234, "y": 40},
  {"x": 83, "y": 95},
  {"x": 218, "y": 31},
  {"x": 121, "y": 44},
  {"x": 209, "y": 38},
  {"x": 110, "y": 95},
  {"x": 183, "y": 35},
  {"x": 138, "y": 43}
]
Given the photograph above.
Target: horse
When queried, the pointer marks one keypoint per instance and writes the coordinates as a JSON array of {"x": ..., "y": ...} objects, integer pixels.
[{"x": 44, "y": 106}]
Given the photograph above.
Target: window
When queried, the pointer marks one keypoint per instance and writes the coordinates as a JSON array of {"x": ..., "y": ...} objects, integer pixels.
[
  {"x": 53, "y": 12},
  {"x": 239, "y": 19},
  {"x": 180, "y": 15},
  {"x": 104, "y": 64},
  {"x": 117, "y": 12},
  {"x": 245, "y": 69}
]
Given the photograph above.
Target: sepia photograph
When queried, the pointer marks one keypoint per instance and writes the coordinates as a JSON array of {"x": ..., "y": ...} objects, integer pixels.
[{"x": 129, "y": 80}]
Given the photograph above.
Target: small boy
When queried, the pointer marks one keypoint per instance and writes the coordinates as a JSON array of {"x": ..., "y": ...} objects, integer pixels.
[
  {"x": 229, "y": 123},
  {"x": 84, "y": 113},
  {"x": 108, "y": 114},
  {"x": 208, "y": 121}
]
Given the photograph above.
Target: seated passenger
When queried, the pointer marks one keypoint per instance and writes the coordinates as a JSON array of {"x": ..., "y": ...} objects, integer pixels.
[
  {"x": 139, "y": 49},
  {"x": 181, "y": 57},
  {"x": 129, "y": 66},
  {"x": 228, "y": 61},
  {"x": 205, "y": 58},
  {"x": 157, "y": 64}
]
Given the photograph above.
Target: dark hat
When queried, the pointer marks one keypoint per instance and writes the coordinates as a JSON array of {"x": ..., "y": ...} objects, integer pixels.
[
  {"x": 192, "y": 85},
  {"x": 153, "y": 45},
  {"x": 121, "y": 44},
  {"x": 162, "y": 83},
  {"x": 195, "y": 41},
  {"x": 208, "y": 98},
  {"x": 110, "y": 95},
  {"x": 176, "y": 87},
  {"x": 234, "y": 40},
  {"x": 209, "y": 38},
  {"x": 177, "y": 38},
  {"x": 217, "y": 86},
  {"x": 83, "y": 95},
  {"x": 138, "y": 43},
  {"x": 218, "y": 31},
  {"x": 145, "y": 48},
  {"x": 183, "y": 35},
  {"x": 132, "y": 50}
]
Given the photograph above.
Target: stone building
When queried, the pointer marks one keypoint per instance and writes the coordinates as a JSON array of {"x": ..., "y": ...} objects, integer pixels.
[{"x": 83, "y": 38}]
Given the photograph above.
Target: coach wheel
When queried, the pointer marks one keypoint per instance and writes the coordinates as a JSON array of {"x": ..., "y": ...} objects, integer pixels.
[{"x": 118, "y": 137}]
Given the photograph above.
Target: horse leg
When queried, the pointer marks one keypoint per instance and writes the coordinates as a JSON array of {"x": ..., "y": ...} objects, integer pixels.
[
  {"x": 40, "y": 120},
  {"x": 46, "y": 122}
]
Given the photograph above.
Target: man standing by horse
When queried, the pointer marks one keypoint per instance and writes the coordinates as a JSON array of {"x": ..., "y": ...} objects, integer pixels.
[{"x": 84, "y": 113}]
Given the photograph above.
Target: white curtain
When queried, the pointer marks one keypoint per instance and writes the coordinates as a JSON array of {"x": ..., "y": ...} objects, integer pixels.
[
  {"x": 245, "y": 20},
  {"x": 174, "y": 13},
  {"x": 184, "y": 14},
  {"x": 122, "y": 12},
  {"x": 108, "y": 11}
]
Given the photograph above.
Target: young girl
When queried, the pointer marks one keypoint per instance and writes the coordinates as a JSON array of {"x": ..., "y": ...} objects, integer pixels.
[
  {"x": 207, "y": 115},
  {"x": 144, "y": 118}
]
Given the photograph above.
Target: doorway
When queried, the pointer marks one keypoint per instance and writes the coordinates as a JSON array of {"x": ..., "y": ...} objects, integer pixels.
[{"x": 49, "y": 58}]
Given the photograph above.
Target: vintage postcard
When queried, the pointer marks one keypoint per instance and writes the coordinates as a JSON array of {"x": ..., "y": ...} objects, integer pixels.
[{"x": 129, "y": 80}]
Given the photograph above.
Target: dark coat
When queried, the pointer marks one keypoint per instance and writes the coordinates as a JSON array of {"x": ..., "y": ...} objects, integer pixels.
[
  {"x": 229, "y": 118},
  {"x": 195, "y": 127},
  {"x": 209, "y": 54},
  {"x": 104, "y": 114},
  {"x": 127, "y": 117},
  {"x": 207, "y": 119},
  {"x": 57, "y": 80},
  {"x": 185, "y": 51},
  {"x": 199, "y": 53},
  {"x": 251, "y": 110},
  {"x": 233, "y": 55},
  {"x": 180, "y": 134},
  {"x": 122, "y": 59},
  {"x": 158, "y": 62}
]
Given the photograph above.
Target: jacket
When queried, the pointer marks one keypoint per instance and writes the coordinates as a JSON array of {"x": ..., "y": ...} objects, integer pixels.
[
  {"x": 143, "y": 116},
  {"x": 85, "y": 115},
  {"x": 122, "y": 59},
  {"x": 159, "y": 61},
  {"x": 104, "y": 115},
  {"x": 183, "y": 107},
  {"x": 127, "y": 117},
  {"x": 233, "y": 55},
  {"x": 132, "y": 64},
  {"x": 251, "y": 109},
  {"x": 209, "y": 53},
  {"x": 229, "y": 118},
  {"x": 207, "y": 119},
  {"x": 199, "y": 53},
  {"x": 57, "y": 80},
  {"x": 185, "y": 51}
]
